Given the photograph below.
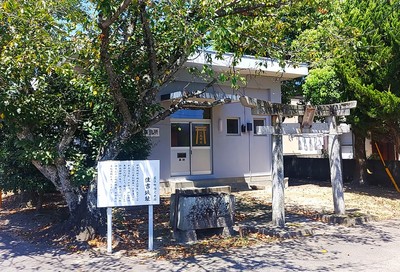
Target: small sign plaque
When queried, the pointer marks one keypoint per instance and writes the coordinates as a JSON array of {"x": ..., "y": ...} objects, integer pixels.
[{"x": 152, "y": 132}]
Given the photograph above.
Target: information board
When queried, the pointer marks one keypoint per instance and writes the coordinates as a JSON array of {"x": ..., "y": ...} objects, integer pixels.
[{"x": 128, "y": 183}]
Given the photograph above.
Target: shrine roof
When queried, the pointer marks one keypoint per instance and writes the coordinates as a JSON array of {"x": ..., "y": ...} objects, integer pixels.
[{"x": 248, "y": 65}]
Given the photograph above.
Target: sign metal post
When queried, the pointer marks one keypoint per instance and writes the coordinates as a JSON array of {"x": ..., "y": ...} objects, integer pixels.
[
  {"x": 109, "y": 230},
  {"x": 151, "y": 227}
]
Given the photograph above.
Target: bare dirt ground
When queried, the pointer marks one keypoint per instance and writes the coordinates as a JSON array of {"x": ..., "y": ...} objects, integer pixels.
[
  {"x": 379, "y": 202},
  {"x": 303, "y": 201}
]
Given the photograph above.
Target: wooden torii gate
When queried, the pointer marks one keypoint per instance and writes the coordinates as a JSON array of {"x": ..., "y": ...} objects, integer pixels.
[{"x": 277, "y": 111}]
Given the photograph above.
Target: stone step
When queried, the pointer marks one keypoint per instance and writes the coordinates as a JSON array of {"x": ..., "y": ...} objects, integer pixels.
[{"x": 236, "y": 184}]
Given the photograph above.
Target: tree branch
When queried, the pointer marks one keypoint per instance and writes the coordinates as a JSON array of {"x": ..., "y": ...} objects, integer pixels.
[
  {"x": 183, "y": 101},
  {"x": 175, "y": 63},
  {"x": 109, "y": 21},
  {"x": 126, "y": 131},
  {"x": 68, "y": 135},
  {"x": 149, "y": 41},
  {"x": 114, "y": 83},
  {"x": 50, "y": 172}
]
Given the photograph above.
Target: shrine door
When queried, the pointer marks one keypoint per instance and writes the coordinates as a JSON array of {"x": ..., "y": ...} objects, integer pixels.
[{"x": 191, "y": 148}]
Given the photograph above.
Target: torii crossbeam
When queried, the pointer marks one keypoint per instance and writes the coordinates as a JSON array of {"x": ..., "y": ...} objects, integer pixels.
[{"x": 277, "y": 111}]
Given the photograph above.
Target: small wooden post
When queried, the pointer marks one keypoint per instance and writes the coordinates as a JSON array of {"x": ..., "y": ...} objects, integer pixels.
[
  {"x": 335, "y": 162},
  {"x": 278, "y": 186}
]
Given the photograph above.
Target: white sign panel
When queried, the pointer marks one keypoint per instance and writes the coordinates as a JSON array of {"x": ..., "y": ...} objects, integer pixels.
[{"x": 128, "y": 183}]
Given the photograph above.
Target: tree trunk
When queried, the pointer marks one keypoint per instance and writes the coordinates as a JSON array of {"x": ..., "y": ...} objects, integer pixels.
[
  {"x": 85, "y": 219},
  {"x": 89, "y": 220},
  {"x": 360, "y": 169},
  {"x": 397, "y": 145},
  {"x": 58, "y": 174},
  {"x": 39, "y": 201}
]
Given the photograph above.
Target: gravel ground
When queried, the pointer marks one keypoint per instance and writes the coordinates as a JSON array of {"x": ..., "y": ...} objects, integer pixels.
[{"x": 303, "y": 202}]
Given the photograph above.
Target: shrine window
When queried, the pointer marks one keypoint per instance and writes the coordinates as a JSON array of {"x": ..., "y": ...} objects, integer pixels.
[
  {"x": 232, "y": 126},
  {"x": 257, "y": 123}
]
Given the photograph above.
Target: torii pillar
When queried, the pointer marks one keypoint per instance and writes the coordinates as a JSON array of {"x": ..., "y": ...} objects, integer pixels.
[
  {"x": 336, "y": 166},
  {"x": 278, "y": 185}
]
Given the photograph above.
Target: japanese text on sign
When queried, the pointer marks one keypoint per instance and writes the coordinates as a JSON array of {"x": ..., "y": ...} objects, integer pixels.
[{"x": 128, "y": 183}]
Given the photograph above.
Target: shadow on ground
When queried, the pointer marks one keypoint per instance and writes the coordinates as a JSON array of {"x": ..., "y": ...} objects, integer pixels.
[{"x": 368, "y": 190}]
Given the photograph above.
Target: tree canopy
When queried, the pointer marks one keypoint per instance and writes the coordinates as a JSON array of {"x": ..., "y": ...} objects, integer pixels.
[
  {"x": 355, "y": 54},
  {"x": 371, "y": 70},
  {"x": 358, "y": 47}
]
